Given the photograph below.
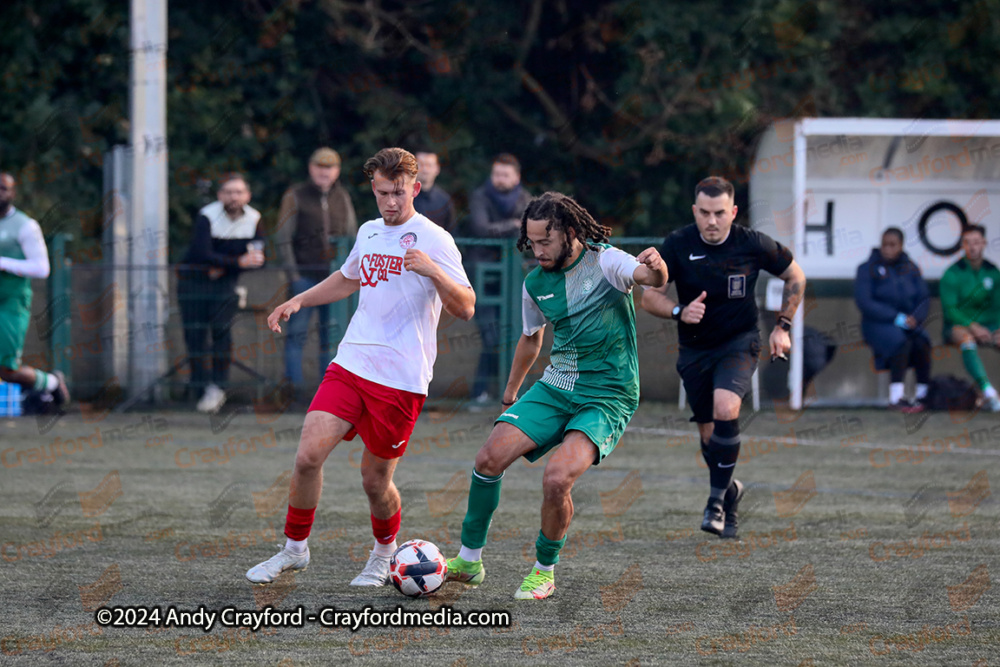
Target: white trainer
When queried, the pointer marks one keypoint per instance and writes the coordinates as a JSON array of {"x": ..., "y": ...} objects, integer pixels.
[
  {"x": 283, "y": 561},
  {"x": 376, "y": 572},
  {"x": 213, "y": 399}
]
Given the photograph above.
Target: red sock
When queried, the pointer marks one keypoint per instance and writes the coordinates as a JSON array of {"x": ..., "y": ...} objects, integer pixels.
[
  {"x": 385, "y": 529},
  {"x": 298, "y": 522}
]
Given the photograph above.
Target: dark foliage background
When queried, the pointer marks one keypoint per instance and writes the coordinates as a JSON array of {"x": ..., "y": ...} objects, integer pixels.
[{"x": 624, "y": 104}]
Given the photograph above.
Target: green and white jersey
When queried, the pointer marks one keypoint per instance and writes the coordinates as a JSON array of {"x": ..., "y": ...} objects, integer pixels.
[
  {"x": 589, "y": 304},
  {"x": 22, "y": 257}
]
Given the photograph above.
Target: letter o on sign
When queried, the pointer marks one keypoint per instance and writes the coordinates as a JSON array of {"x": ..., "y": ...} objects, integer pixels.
[{"x": 925, "y": 218}]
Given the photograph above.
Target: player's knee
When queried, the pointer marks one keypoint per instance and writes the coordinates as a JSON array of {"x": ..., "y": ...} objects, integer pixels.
[
  {"x": 961, "y": 337},
  {"x": 726, "y": 411},
  {"x": 374, "y": 484},
  {"x": 488, "y": 462},
  {"x": 557, "y": 483},
  {"x": 309, "y": 459}
]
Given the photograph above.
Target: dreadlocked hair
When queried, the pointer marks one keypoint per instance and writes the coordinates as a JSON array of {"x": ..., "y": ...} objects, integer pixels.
[{"x": 562, "y": 213}]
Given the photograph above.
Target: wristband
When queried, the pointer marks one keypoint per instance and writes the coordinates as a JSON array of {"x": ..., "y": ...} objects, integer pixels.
[{"x": 784, "y": 323}]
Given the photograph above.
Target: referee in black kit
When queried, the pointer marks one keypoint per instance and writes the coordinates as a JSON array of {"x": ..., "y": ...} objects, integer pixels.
[{"x": 715, "y": 265}]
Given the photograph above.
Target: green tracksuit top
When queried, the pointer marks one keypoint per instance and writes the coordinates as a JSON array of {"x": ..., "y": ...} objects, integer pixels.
[{"x": 969, "y": 296}]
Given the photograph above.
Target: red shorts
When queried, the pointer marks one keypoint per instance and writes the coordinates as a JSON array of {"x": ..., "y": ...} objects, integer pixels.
[{"x": 384, "y": 417}]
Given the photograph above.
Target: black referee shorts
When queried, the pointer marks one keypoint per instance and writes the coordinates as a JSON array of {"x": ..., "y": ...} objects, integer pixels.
[{"x": 730, "y": 365}]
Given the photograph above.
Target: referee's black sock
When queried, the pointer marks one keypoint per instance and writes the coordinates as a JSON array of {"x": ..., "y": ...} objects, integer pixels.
[{"x": 720, "y": 454}]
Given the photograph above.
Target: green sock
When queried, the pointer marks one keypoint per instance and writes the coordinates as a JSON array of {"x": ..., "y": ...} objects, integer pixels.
[
  {"x": 41, "y": 380},
  {"x": 484, "y": 497},
  {"x": 970, "y": 357},
  {"x": 546, "y": 550}
]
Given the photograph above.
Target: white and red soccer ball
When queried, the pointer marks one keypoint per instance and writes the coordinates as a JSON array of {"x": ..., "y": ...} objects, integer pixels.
[{"x": 417, "y": 568}]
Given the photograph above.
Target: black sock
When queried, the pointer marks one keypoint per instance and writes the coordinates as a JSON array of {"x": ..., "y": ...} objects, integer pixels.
[{"x": 721, "y": 455}]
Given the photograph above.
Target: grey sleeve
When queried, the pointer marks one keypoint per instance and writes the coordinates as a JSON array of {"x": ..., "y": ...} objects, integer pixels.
[
  {"x": 36, "y": 256},
  {"x": 619, "y": 268},
  {"x": 531, "y": 317}
]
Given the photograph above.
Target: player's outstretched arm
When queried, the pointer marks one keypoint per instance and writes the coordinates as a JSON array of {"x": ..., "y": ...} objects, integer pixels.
[
  {"x": 335, "y": 287},
  {"x": 525, "y": 355},
  {"x": 652, "y": 270},
  {"x": 458, "y": 300}
]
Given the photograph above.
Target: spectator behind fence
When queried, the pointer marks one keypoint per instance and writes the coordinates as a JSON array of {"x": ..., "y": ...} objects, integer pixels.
[
  {"x": 225, "y": 240},
  {"x": 23, "y": 256},
  {"x": 433, "y": 202},
  {"x": 495, "y": 210},
  {"x": 970, "y": 302},
  {"x": 893, "y": 299},
  {"x": 313, "y": 215}
]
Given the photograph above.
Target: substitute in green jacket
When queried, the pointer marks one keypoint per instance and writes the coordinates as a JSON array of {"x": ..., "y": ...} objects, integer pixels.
[{"x": 970, "y": 299}]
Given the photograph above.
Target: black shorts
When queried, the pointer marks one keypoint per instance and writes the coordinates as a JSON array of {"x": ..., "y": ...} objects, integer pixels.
[{"x": 730, "y": 365}]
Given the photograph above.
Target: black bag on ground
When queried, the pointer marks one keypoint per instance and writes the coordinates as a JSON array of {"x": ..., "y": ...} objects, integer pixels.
[
  {"x": 947, "y": 392},
  {"x": 36, "y": 403}
]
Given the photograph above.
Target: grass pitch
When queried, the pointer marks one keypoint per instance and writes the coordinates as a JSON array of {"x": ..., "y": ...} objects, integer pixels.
[{"x": 868, "y": 537}]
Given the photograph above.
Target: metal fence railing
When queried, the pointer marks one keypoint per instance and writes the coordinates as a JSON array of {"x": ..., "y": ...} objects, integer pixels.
[{"x": 73, "y": 329}]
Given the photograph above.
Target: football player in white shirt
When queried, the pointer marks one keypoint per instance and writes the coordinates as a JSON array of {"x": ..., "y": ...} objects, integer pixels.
[{"x": 407, "y": 268}]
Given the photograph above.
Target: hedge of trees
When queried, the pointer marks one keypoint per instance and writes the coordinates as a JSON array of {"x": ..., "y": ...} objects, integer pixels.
[{"x": 625, "y": 104}]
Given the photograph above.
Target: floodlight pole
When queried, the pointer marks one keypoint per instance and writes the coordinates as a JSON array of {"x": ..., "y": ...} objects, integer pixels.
[{"x": 148, "y": 284}]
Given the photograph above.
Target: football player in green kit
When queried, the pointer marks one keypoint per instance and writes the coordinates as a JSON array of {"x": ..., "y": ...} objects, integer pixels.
[
  {"x": 23, "y": 256},
  {"x": 970, "y": 301},
  {"x": 587, "y": 394}
]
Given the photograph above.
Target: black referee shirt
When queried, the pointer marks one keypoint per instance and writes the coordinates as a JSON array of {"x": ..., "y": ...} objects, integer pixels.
[{"x": 728, "y": 272}]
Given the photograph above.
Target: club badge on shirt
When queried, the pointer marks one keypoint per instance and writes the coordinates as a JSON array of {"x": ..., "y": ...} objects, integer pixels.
[
  {"x": 737, "y": 287},
  {"x": 407, "y": 240}
]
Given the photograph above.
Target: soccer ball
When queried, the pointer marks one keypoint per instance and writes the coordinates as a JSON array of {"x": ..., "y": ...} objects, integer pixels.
[{"x": 417, "y": 568}]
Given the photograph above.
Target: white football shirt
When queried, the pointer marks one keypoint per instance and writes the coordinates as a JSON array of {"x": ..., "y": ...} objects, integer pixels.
[{"x": 392, "y": 338}]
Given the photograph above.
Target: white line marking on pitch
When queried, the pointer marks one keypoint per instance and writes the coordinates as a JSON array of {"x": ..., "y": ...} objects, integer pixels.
[{"x": 821, "y": 443}]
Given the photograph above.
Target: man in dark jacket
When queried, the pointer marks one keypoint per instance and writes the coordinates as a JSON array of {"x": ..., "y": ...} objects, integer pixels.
[
  {"x": 893, "y": 299},
  {"x": 225, "y": 240},
  {"x": 495, "y": 210},
  {"x": 313, "y": 215},
  {"x": 433, "y": 201}
]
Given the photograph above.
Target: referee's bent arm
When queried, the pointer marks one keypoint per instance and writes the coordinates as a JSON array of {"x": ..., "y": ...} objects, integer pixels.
[
  {"x": 655, "y": 301},
  {"x": 794, "y": 290}
]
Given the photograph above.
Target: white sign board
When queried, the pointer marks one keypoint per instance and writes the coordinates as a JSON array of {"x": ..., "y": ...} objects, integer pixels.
[{"x": 845, "y": 221}]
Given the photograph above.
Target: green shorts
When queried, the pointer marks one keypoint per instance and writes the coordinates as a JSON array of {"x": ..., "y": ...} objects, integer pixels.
[
  {"x": 545, "y": 414},
  {"x": 13, "y": 328}
]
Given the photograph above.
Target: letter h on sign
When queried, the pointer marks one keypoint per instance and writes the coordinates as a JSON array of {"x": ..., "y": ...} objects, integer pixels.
[{"x": 824, "y": 227}]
